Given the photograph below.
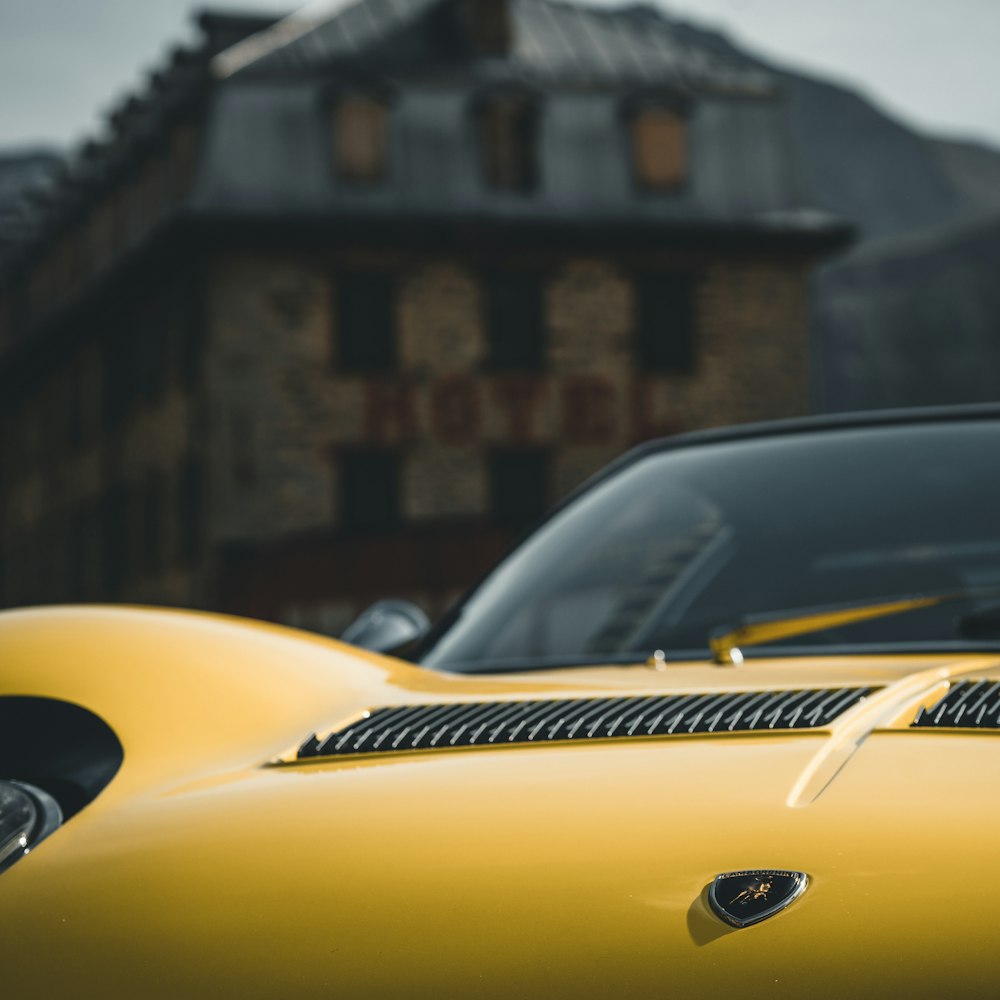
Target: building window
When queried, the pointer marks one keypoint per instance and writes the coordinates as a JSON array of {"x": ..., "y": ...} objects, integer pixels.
[
  {"x": 114, "y": 540},
  {"x": 151, "y": 525},
  {"x": 508, "y": 135},
  {"x": 370, "y": 484},
  {"x": 102, "y": 247},
  {"x": 183, "y": 160},
  {"x": 117, "y": 386},
  {"x": 186, "y": 326},
  {"x": 515, "y": 320},
  {"x": 74, "y": 265},
  {"x": 361, "y": 138},
  {"x": 365, "y": 310},
  {"x": 148, "y": 194},
  {"x": 85, "y": 552},
  {"x": 6, "y": 322},
  {"x": 190, "y": 511},
  {"x": 85, "y": 393},
  {"x": 120, "y": 218},
  {"x": 659, "y": 148},
  {"x": 149, "y": 350},
  {"x": 518, "y": 481},
  {"x": 665, "y": 321}
]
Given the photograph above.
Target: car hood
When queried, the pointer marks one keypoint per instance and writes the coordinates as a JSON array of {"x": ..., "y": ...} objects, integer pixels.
[{"x": 216, "y": 862}]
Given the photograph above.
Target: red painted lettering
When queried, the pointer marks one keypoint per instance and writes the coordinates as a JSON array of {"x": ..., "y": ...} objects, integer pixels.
[
  {"x": 589, "y": 409},
  {"x": 518, "y": 396},
  {"x": 390, "y": 411},
  {"x": 456, "y": 409}
]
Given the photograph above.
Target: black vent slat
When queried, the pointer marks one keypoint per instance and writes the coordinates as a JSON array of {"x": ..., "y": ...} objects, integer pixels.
[
  {"x": 525, "y": 722},
  {"x": 437, "y": 722},
  {"x": 334, "y": 742},
  {"x": 492, "y": 723},
  {"x": 812, "y": 709},
  {"x": 682, "y": 717},
  {"x": 836, "y": 704},
  {"x": 793, "y": 706},
  {"x": 383, "y": 732},
  {"x": 750, "y": 704},
  {"x": 654, "y": 704},
  {"x": 796, "y": 705},
  {"x": 703, "y": 720},
  {"x": 419, "y": 726},
  {"x": 728, "y": 720},
  {"x": 567, "y": 719},
  {"x": 599, "y": 723},
  {"x": 521, "y": 721},
  {"x": 673, "y": 715},
  {"x": 468, "y": 724},
  {"x": 504, "y": 720},
  {"x": 967, "y": 705}
]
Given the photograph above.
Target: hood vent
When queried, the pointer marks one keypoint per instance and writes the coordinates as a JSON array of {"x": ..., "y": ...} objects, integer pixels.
[
  {"x": 495, "y": 723},
  {"x": 968, "y": 705}
]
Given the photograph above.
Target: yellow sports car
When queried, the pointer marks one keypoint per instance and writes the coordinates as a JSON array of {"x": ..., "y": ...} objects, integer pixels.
[{"x": 722, "y": 725}]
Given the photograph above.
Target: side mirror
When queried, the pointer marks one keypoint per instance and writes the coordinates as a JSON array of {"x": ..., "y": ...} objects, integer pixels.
[{"x": 387, "y": 626}]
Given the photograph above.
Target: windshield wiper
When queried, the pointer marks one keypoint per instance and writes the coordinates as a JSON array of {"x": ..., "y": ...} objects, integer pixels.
[{"x": 727, "y": 641}]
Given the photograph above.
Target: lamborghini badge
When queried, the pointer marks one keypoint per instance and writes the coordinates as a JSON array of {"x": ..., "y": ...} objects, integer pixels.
[{"x": 747, "y": 897}]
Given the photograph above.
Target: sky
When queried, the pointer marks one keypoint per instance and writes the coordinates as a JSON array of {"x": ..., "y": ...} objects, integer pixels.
[{"x": 65, "y": 63}]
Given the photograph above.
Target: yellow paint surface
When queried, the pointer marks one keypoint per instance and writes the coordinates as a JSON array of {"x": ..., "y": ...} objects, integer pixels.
[{"x": 563, "y": 870}]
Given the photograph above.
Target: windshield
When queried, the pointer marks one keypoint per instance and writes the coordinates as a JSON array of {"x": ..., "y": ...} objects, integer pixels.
[{"x": 685, "y": 540}]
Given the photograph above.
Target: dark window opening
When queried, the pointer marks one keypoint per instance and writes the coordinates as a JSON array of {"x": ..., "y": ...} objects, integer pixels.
[
  {"x": 665, "y": 322},
  {"x": 151, "y": 526},
  {"x": 149, "y": 352},
  {"x": 518, "y": 481},
  {"x": 74, "y": 429},
  {"x": 85, "y": 552},
  {"x": 370, "y": 484},
  {"x": 361, "y": 139},
  {"x": 149, "y": 192},
  {"x": 117, "y": 385},
  {"x": 6, "y": 322},
  {"x": 184, "y": 142},
  {"x": 190, "y": 511},
  {"x": 509, "y": 139},
  {"x": 79, "y": 529},
  {"x": 186, "y": 327},
  {"x": 515, "y": 320},
  {"x": 120, "y": 209},
  {"x": 659, "y": 148},
  {"x": 54, "y": 554},
  {"x": 114, "y": 540},
  {"x": 365, "y": 321}
]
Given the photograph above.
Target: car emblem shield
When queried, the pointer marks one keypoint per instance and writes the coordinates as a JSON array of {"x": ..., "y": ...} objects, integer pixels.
[{"x": 747, "y": 897}]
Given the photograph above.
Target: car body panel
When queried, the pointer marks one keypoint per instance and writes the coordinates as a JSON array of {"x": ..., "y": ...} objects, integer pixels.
[{"x": 209, "y": 868}]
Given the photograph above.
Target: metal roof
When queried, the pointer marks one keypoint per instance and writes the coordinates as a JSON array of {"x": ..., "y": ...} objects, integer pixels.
[
  {"x": 264, "y": 143},
  {"x": 550, "y": 41},
  {"x": 268, "y": 149}
]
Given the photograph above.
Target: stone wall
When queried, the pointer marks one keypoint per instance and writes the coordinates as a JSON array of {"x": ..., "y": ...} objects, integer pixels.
[
  {"x": 242, "y": 450},
  {"x": 282, "y": 411},
  {"x": 91, "y": 486}
]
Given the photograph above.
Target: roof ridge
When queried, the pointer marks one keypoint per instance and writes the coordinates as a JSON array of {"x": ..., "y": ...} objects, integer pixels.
[{"x": 281, "y": 33}]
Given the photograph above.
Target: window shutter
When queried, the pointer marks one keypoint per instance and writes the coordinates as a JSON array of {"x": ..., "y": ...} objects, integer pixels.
[
  {"x": 360, "y": 139},
  {"x": 659, "y": 144}
]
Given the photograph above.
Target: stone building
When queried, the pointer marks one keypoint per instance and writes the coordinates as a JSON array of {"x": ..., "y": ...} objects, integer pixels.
[{"x": 343, "y": 300}]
